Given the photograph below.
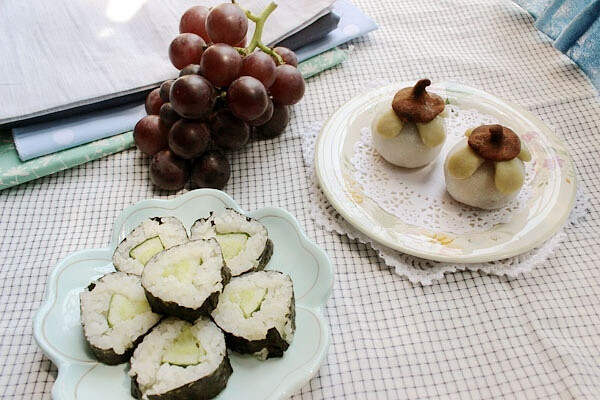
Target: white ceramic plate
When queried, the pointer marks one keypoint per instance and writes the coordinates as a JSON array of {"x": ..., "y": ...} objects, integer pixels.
[
  {"x": 554, "y": 184},
  {"x": 57, "y": 327}
]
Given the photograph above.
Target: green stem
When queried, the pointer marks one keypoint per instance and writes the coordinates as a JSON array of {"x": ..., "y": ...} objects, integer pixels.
[
  {"x": 256, "y": 41},
  {"x": 242, "y": 51}
]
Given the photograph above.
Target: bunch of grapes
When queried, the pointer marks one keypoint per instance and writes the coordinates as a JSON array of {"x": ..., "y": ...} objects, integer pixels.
[{"x": 225, "y": 94}]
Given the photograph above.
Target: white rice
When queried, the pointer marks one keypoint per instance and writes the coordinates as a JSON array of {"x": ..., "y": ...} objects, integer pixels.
[
  {"x": 205, "y": 281},
  {"x": 156, "y": 378},
  {"x": 94, "y": 310},
  {"x": 170, "y": 231},
  {"x": 273, "y": 312},
  {"x": 233, "y": 222}
]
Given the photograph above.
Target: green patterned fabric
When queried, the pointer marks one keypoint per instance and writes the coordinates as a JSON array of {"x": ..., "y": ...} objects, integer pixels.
[
  {"x": 321, "y": 62},
  {"x": 13, "y": 171}
]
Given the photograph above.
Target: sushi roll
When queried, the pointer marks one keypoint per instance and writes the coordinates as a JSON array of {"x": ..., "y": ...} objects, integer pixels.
[
  {"x": 257, "y": 313},
  {"x": 147, "y": 239},
  {"x": 185, "y": 280},
  {"x": 244, "y": 241},
  {"x": 180, "y": 360},
  {"x": 115, "y": 316}
]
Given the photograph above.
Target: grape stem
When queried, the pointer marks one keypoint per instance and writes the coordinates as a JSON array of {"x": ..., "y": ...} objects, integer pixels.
[{"x": 259, "y": 20}]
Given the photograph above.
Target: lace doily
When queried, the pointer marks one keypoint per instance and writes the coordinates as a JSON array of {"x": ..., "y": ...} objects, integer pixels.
[
  {"x": 416, "y": 269},
  {"x": 418, "y": 196}
]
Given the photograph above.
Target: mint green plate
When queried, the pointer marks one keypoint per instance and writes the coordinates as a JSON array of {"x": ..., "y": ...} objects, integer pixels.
[{"x": 57, "y": 328}]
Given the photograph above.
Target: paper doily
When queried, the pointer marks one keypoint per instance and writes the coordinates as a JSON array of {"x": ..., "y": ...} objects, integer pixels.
[
  {"x": 416, "y": 269},
  {"x": 418, "y": 196}
]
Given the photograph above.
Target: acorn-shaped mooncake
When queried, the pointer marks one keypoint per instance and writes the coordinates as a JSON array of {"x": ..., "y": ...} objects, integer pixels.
[
  {"x": 487, "y": 169},
  {"x": 412, "y": 131}
]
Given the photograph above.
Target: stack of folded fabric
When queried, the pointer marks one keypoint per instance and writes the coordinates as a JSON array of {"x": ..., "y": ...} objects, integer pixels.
[{"x": 100, "y": 59}]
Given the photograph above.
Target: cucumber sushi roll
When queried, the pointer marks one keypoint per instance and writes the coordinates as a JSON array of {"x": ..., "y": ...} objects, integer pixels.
[
  {"x": 115, "y": 316},
  {"x": 244, "y": 241},
  {"x": 185, "y": 280},
  {"x": 180, "y": 360},
  {"x": 146, "y": 240},
  {"x": 257, "y": 313}
]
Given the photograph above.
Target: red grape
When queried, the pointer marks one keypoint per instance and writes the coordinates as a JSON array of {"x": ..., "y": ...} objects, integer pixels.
[
  {"x": 226, "y": 23},
  {"x": 229, "y": 132},
  {"x": 276, "y": 125},
  {"x": 265, "y": 117},
  {"x": 150, "y": 135},
  {"x": 189, "y": 139},
  {"x": 187, "y": 48},
  {"x": 288, "y": 87},
  {"x": 247, "y": 98},
  {"x": 192, "y": 69},
  {"x": 261, "y": 66},
  {"x": 192, "y": 96},
  {"x": 242, "y": 43},
  {"x": 167, "y": 171},
  {"x": 289, "y": 57},
  {"x": 153, "y": 102},
  {"x": 194, "y": 21},
  {"x": 221, "y": 64},
  {"x": 211, "y": 170},
  {"x": 168, "y": 115},
  {"x": 164, "y": 90}
]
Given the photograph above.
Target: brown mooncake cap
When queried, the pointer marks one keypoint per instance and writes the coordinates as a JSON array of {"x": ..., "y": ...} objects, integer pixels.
[
  {"x": 495, "y": 142},
  {"x": 416, "y": 104}
]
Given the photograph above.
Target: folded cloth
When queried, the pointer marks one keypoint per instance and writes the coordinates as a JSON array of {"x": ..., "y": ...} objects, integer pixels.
[
  {"x": 14, "y": 172},
  {"x": 574, "y": 25},
  {"x": 312, "y": 33},
  {"x": 60, "y": 54},
  {"x": 48, "y": 137},
  {"x": 353, "y": 23}
]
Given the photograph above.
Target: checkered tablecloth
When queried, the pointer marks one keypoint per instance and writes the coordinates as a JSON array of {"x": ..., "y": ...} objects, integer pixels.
[{"x": 467, "y": 336}]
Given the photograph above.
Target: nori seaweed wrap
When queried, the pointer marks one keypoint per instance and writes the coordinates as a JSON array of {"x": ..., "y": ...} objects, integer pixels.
[
  {"x": 115, "y": 315},
  {"x": 185, "y": 280},
  {"x": 244, "y": 241},
  {"x": 146, "y": 240},
  {"x": 180, "y": 360},
  {"x": 257, "y": 313}
]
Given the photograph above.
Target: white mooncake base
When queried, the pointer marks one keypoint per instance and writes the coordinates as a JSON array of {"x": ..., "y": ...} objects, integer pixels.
[
  {"x": 479, "y": 190},
  {"x": 406, "y": 149}
]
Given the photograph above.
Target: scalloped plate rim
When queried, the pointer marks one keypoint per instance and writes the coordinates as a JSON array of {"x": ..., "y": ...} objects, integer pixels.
[{"x": 281, "y": 390}]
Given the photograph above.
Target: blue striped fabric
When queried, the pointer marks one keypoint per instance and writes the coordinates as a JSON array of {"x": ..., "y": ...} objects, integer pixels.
[{"x": 574, "y": 25}]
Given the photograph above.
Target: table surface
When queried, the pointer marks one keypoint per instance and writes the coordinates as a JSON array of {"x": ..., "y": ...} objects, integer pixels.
[{"x": 469, "y": 335}]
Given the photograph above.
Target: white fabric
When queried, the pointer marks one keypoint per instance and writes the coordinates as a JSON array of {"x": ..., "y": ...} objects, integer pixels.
[
  {"x": 468, "y": 336},
  {"x": 59, "y": 54}
]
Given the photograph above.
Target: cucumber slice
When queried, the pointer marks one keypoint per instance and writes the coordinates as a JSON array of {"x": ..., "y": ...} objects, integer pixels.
[
  {"x": 121, "y": 308},
  {"x": 147, "y": 249},
  {"x": 183, "y": 270},
  {"x": 231, "y": 244},
  {"x": 249, "y": 300},
  {"x": 185, "y": 350}
]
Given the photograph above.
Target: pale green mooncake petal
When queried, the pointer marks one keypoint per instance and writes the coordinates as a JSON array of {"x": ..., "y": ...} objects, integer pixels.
[
  {"x": 464, "y": 162},
  {"x": 509, "y": 176},
  {"x": 432, "y": 132}
]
